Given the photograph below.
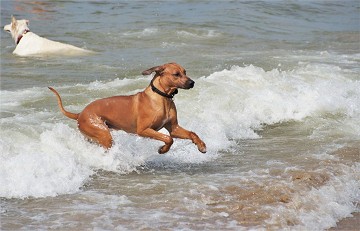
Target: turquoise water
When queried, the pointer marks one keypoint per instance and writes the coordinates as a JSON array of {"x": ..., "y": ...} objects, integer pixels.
[{"x": 276, "y": 100}]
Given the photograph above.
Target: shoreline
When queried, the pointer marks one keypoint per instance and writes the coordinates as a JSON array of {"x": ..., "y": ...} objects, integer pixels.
[{"x": 348, "y": 223}]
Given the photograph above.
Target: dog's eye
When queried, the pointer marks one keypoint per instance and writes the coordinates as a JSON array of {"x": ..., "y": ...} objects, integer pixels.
[{"x": 177, "y": 74}]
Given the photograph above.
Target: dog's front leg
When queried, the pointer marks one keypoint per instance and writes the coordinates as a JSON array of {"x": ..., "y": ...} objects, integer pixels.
[
  {"x": 179, "y": 132},
  {"x": 151, "y": 133}
]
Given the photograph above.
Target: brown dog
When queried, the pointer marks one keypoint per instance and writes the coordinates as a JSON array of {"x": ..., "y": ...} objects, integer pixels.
[{"x": 144, "y": 113}]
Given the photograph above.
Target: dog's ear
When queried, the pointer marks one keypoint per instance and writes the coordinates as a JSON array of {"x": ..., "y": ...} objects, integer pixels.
[
  {"x": 157, "y": 69},
  {"x": 13, "y": 19}
]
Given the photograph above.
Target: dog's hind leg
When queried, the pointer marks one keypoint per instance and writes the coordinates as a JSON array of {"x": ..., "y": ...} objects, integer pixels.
[{"x": 95, "y": 128}]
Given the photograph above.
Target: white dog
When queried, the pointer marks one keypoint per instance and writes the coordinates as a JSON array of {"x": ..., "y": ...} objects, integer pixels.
[{"x": 30, "y": 44}]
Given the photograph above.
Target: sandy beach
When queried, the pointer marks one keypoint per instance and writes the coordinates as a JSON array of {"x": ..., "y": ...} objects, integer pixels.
[{"x": 348, "y": 224}]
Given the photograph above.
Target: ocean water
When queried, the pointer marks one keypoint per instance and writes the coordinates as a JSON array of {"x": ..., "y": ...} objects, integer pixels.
[{"x": 276, "y": 100}]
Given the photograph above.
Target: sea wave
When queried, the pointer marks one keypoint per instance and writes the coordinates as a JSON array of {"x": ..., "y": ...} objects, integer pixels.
[
  {"x": 142, "y": 33},
  {"x": 43, "y": 153}
]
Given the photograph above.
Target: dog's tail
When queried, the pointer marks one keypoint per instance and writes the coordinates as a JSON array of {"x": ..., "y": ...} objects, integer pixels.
[{"x": 66, "y": 113}]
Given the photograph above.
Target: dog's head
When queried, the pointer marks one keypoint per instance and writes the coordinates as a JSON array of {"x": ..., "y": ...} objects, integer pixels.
[
  {"x": 172, "y": 74},
  {"x": 17, "y": 28}
]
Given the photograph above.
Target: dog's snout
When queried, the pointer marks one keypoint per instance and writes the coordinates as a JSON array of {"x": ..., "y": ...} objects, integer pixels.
[
  {"x": 188, "y": 84},
  {"x": 191, "y": 83}
]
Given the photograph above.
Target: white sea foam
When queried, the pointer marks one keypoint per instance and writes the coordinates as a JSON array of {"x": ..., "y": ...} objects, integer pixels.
[
  {"x": 116, "y": 83},
  {"x": 321, "y": 208},
  {"x": 143, "y": 33},
  {"x": 43, "y": 154},
  {"x": 255, "y": 97},
  {"x": 198, "y": 34}
]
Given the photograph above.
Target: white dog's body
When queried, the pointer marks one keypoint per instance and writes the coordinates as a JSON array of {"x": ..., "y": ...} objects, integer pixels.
[
  {"x": 30, "y": 44},
  {"x": 33, "y": 44}
]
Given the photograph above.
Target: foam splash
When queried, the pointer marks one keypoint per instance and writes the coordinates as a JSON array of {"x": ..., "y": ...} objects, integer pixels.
[
  {"x": 40, "y": 166},
  {"x": 321, "y": 206},
  {"x": 198, "y": 34},
  {"x": 255, "y": 97},
  {"x": 143, "y": 33},
  {"x": 49, "y": 158},
  {"x": 187, "y": 34},
  {"x": 59, "y": 160}
]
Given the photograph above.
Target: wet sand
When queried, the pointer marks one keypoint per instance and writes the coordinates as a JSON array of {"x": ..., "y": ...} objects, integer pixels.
[{"x": 348, "y": 224}]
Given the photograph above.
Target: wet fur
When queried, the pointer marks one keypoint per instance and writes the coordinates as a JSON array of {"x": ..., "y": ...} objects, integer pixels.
[
  {"x": 30, "y": 44},
  {"x": 144, "y": 113}
]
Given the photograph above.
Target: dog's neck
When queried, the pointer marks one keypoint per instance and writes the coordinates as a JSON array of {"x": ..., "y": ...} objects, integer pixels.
[
  {"x": 21, "y": 36},
  {"x": 164, "y": 94}
]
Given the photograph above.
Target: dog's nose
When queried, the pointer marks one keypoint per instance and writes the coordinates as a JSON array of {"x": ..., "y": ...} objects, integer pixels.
[{"x": 191, "y": 83}]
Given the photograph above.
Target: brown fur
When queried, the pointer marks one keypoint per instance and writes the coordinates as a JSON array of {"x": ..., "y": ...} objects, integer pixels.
[{"x": 144, "y": 113}]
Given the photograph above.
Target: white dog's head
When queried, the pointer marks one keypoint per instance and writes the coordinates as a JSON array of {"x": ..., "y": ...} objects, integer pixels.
[{"x": 17, "y": 28}]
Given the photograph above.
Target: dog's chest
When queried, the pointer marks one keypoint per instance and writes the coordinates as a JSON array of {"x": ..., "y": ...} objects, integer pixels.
[{"x": 162, "y": 116}]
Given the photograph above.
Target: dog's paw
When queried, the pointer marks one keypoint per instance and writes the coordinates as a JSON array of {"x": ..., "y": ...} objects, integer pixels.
[
  {"x": 202, "y": 150},
  {"x": 202, "y": 147},
  {"x": 164, "y": 149}
]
